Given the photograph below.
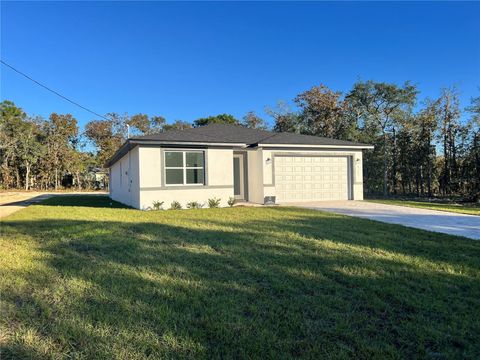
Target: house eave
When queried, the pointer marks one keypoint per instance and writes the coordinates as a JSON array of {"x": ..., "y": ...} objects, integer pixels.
[
  {"x": 302, "y": 146},
  {"x": 186, "y": 143},
  {"x": 131, "y": 143}
]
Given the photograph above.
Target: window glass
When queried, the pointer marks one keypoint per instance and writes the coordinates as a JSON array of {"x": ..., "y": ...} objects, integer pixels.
[
  {"x": 194, "y": 176},
  {"x": 174, "y": 159},
  {"x": 184, "y": 167},
  {"x": 194, "y": 159},
  {"x": 174, "y": 176}
]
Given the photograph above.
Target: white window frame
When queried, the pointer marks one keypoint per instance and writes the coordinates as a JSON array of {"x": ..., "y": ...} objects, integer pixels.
[{"x": 184, "y": 167}]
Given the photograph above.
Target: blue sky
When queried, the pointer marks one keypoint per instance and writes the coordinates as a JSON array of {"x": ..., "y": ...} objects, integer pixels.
[{"x": 189, "y": 60}]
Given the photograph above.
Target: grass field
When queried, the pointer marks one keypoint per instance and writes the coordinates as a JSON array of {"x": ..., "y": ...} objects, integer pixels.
[
  {"x": 470, "y": 209},
  {"x": 97, "y": 282}
]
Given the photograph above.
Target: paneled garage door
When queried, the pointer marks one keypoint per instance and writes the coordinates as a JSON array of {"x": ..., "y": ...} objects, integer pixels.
[{"x": 311, "y": 178}]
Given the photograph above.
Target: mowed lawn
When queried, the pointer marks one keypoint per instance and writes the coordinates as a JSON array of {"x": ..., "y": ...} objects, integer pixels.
[
  {"x": 469, "y": 209},
  {"x": 96, "y": 282}
]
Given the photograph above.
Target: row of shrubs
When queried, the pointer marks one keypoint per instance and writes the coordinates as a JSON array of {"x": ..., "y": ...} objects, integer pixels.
[{"x": 175, "y": 205}]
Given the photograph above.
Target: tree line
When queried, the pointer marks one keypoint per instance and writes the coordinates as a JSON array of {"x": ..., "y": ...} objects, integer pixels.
[
  {"x": 421, "y": 149},
  {"x": 428, "y": 148}
]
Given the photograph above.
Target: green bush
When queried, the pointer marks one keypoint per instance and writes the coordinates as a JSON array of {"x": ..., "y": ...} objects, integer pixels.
[
  {"x": 158, "y": 205},
  {"x": 231, "y": 201},
  {"x": 214, "y": 203},
  {"x": 175, "y": 205},
  {"x": 194, "y": 205}
]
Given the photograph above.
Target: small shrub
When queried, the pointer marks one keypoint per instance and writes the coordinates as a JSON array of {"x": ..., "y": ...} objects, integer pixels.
[
  {"x": 231, "y": 201},
  {"x": 158, "y": 205},
  {"x": 175, "y": 205},
  {"x": 214, "y": 203},
  {"x": 194, "y": 205}
]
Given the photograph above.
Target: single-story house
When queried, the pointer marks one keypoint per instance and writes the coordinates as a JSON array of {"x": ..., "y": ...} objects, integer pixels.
[{"x": 223, "y": 161}]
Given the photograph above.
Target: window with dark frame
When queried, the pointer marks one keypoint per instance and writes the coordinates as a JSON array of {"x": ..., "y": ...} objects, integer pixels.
[{"x": 184, "y": 167}]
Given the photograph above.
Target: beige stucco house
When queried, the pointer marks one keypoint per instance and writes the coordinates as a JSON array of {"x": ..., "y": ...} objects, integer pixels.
[{"x": 223, "y": 161}]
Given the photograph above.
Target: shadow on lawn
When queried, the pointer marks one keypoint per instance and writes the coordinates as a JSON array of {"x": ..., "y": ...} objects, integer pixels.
[
  {"x": 84, "y": 200},
  {"x": 274, "y": 288}
]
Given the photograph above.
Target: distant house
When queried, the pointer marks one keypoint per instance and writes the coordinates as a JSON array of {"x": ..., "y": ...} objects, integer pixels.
[
  {"x": 223, "y": 161},
  {"x": 98, "y": 177},
  {"x": 94, "y": 178}
]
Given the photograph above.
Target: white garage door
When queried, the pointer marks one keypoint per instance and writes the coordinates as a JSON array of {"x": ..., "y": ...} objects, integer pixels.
[{"x": 311, "y": 178}]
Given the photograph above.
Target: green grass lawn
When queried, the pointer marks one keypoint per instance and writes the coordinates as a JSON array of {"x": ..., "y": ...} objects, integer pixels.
[
  {"x": 98, "y": 282},
  {"x": 470, "y": 209}
]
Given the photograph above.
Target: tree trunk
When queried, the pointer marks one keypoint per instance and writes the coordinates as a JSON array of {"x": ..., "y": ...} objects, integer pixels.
[
  {"x": 429, "y": 169},
  {"x": 394, "y": 165},
  {"x": 385, "y": 171},
  {"x": 17, "y": 178},
  {"x": 453, "y": 165},
  {"x": 27, "y": 175},
  {"x": 422, "y": 186},
  {"x": 445, "y": 164},
  {"x": 56, "y": 179}
]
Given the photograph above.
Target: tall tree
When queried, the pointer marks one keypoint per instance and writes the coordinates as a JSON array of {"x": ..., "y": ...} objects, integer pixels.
[
  {"x": 106, "y": 136},
  {"x": 323, "y": 113},
  {"x": 285, "y": 119},
  {"x": 61, "y": 135},
  {"x": 473, "y": 157},
  {"x": 11, "y": 125},
  {"x": 177, "y": 125},
  {"x": 426, "y": 126},
  {"x": 78, "y": 165},
  {"x": 377, "y": 102},
  {"x": 157, "y": 124},
  {"x": 145, "y": 125},
  {"x": 29, "y": 149},
  {"x": 140, "y": 122},
  {"x": 449, "y": 126},
  {"x": 217, "y": 119},
  {"x": 253, "y": 121}
]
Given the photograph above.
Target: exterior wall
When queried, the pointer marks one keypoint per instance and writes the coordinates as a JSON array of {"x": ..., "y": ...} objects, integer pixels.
[
  {"x": 137, "y": 178},
  {"x": 220, "y": 167},
  {"x": 255, "y": 175},
  {"x": 124, "y": 179},
  {"x": 218, "y": 179},
  {"x": 264, "y": 159}
]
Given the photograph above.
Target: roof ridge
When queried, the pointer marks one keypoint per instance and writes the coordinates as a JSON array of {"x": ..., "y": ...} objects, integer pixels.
[
  {"x": 212, "y": 137},
  {"x": 189, "y": 130},
  {"x": 239, "y": 126}
]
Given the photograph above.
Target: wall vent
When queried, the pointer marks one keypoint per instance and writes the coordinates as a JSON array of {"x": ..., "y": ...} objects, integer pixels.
[{"x": 269, "y": 200}]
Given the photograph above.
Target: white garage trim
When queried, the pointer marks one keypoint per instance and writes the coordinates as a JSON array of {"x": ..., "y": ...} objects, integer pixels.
[{"x": 331, "y": 181}]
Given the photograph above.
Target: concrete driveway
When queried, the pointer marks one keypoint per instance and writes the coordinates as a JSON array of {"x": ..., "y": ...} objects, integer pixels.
[{"x": 431, "y": 220}]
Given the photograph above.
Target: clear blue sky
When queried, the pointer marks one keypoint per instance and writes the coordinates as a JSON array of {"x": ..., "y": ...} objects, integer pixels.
[{"x": 189, "y": 60}]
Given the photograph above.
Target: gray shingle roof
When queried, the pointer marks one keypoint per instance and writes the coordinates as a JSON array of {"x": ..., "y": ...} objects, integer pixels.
[
  {"x": 214, "y": 133},
  {"x": 297, "y": 139},
  {"x": 228, "y": 134},
  {"x": 220, "y": 133}
]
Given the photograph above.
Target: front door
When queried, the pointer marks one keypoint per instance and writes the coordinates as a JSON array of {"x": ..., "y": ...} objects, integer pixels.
[{"x": 238, "y": 180}]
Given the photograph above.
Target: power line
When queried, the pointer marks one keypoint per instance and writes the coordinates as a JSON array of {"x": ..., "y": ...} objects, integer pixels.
[{"x": 53, "y": 91}]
